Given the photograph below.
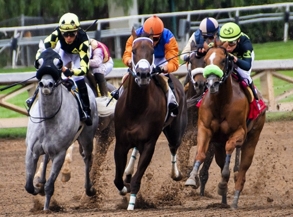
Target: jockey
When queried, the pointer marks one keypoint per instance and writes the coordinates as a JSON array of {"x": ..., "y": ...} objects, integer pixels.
[
  {"x": 207, "y": 32},
  {"x": 75, "y": 49},
  {"x": 101, "y": 64},
  {"x": 240, "y": 48},
  {"x": 165, "y": 48}
]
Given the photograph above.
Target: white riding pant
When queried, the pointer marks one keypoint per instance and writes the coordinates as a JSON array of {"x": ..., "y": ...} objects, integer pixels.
[
  {"x": 246, "y": 74},
  {"x": 104, "y": 68}
]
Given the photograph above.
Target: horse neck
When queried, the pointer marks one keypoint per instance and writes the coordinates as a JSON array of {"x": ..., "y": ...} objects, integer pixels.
[
  {"x": 138, "y": 97},
  {"x": 225, "y": 91}
]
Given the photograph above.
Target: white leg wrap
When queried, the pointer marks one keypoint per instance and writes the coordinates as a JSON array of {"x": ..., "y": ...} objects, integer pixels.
[{"x": 131, "y": 202}]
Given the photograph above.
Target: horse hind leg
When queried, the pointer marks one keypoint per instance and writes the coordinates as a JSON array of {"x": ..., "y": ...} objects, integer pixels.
[
  {"x": 130, "y": 167},
  {"x": 204, "y": 172},
  {"x": 223, "y": 185},
  {"x": 66, "y": 172},
  {"x": 86, "y": 149},
  {"x": 40, "y": 176}
]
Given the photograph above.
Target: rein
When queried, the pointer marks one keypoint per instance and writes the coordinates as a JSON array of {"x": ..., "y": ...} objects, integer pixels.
[{"x": 41, "y": 119}]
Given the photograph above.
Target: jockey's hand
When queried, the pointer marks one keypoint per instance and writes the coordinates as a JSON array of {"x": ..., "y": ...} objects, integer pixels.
[
  {"x": 200, "y": 52},
  {"x": 159, "y": 69},
  {"x": 186, "y": 58},
  {"x": 68, "y": 73},
  {"x": 232, "y": 57},
  {"x": 129, "y": 63}
]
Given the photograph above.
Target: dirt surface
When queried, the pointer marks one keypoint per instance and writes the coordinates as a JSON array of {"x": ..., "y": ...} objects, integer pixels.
[{"x": 268, "y": 190}]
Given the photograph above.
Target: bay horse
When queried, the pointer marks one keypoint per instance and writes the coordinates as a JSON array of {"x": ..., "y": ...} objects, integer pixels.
[
  {"x": 53, "y": 126},
  {"x": 223, "y": 118},
  {"x": 141, "y": 114}
]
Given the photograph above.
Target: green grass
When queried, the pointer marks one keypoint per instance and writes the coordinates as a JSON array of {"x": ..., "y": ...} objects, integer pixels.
[{"x": 272, "y": 50}]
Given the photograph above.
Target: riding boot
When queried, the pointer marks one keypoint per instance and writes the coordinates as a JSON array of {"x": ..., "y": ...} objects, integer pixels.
[
  {"x": 173, "y": 104},
  {"x": 254, "y": 92},
  {"x": 102, "y": 83},
  {"x": 30, "y": 101},
  {"x": 82, "y": 89},
  {"x": 116, "y": 93}
]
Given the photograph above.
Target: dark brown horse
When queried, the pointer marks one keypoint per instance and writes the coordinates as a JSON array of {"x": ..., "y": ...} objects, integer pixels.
[
  {"x": 140, "y": 116},
  {"x": 223, "y": 116}
]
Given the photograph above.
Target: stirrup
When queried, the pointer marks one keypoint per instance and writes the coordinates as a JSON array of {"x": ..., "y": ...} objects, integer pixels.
[
  {"x": 29, "y": 102},
  {"x": 87, "y": 119},
  {"x": 115, "y": 94},
  {"x": 173, "y": 108}
]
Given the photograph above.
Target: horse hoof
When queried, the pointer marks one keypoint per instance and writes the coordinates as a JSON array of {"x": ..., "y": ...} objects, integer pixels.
[
  {"x": 124, "y": 191},
  {"x": 178, "y": 177},
  {"x": 222, "y": 188},
  {"x": 233, "y": 206},
  {"x": 91, "y": 192},
  {"x": 65, "y": 177},
  {"x": 193, "y": 182}
]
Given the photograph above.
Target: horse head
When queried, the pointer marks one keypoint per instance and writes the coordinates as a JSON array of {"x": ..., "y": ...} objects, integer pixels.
[
  {"x": 142, "y": 58},
  {"x": 218, "y": 67},
  {"x": 195, "y": 70}
]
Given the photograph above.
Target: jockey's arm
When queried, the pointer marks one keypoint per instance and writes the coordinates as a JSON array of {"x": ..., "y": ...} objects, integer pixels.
[
  {"x": 171, "y": 54},
  {"x": 186, "y": 49},
  {"x": 127, "y": 55},
  {"x": 97, "y": 58},
  {"x": 84, "y": 54}
]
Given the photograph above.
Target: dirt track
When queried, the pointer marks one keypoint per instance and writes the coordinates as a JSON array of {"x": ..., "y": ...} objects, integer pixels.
[{"x": 268, "y": 190}]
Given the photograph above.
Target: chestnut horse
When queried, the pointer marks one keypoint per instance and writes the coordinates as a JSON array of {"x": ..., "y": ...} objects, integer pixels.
[
  {"x": 223, "y": 116},
  {"x": 141, "y": 114}
]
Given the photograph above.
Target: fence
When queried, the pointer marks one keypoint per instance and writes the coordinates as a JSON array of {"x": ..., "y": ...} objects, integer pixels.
[{"x": 187, "y": 24}]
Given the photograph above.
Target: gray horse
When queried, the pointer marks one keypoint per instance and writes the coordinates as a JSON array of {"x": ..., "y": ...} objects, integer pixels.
[{"x": 53, "y": 126}]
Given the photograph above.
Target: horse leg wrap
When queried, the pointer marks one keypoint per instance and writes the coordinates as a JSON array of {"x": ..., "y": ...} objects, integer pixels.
[{"x": 101, "y": 81}]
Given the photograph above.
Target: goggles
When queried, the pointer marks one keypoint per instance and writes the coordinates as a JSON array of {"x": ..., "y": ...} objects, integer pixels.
[
  {"x": 232, "y": 43},
  {"x": 156, "y": 38},
  {"x": 69, "y": 34}
]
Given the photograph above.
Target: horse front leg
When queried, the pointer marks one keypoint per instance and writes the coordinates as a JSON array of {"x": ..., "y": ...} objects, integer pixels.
[
  {"x": 235, "y": 140},
  {"x": 31, "y": 160},
  {"x": 65, "y": 171},
  {"x": 247, "y": 153},
  {"x": 130, "y": 167},
  {"x": 40, "y": 176},
  {"x": 57, "y": 162},
  {"x": 120, "y": 157},
  {"x": 144, "y": 161}
]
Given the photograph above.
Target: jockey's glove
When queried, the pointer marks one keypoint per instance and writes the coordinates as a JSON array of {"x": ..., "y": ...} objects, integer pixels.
[
  {"x": 186, "y": 58},
  {"x": 159, "y": 69},
  {"x": 68, "y": 73},
  {"x": 200, "y": 52},
  {"x": 231, "y": 57}
]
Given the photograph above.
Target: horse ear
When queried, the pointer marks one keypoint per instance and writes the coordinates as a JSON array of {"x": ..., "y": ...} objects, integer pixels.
[
  {"x": 42, "y": 46},
  {"x": 133, "y": 33}
]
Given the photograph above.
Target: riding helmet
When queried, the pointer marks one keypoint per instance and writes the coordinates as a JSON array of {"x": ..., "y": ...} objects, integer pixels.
[
  {"x": 230, "y": 32},
  {"x": 154, "y": 23},
  {"x": 208, "y": 26},
  {"x": 69, "y": 22}
]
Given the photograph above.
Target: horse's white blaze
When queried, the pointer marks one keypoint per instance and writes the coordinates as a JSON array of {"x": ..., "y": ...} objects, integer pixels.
[
  {"x": 130, "y": 167},
  {"x": 131, "y": 202},
  {"x": 212, "y": 57}
]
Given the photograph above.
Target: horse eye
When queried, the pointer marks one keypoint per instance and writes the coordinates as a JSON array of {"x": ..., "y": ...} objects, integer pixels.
[{"x": 133, "y": 51}]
